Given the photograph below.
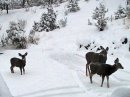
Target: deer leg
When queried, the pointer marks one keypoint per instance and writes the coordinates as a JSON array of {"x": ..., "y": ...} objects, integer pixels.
[
  {"x": 11, "y": 68},
  {"x": 91, "y": 78},
  {"x": 89, "y": 69},
  {"x": 107, "y": 81},
  {"x": 21, "y": 70},
  {"x": 86, "y": 69},
  {"x": 102, "y": 80}
]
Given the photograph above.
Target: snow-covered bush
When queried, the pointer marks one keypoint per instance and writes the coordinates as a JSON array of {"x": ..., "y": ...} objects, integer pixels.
[
  {"x": 66, "y": 11},
  {"x": 16, "y": 34},
  {"x": 99, "y": 12},
  {"x": 73, "y": 6},
  {"x": 43, "y": 3},
  {"x": 57, "y": 3},
  {"x": 48, "y": 20},
  {"x": 63, "y": 22},
  {"x": 36, "y": 27},
  {"x": 101, "y": 23},
  {"x": 99, "y": 16},
  {"x": 96, "y": 13},
  {"x": 33, "y": 37},
  {"x": 121, "y": 13},
  {"x": 4, "y": 40},
  {"x": 89, "y": 22}
]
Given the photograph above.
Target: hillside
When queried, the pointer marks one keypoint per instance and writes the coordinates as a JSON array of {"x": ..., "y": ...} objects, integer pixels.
[{"x": 56, "y": 66}]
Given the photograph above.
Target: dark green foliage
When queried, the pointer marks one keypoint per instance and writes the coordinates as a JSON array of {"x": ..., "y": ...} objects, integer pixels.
[
  {"x": 73, "y": 6},
  {"x": 99, "y": 16},
  {"x": 48, "y": 21},
  {"x": 121, "y": 13},
  {"x": 33, "y": 38},
  {"x": 15, "y": 34}
]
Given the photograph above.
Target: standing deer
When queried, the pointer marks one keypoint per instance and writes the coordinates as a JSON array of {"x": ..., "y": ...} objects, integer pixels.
[
  {"x": 16, "y": 62},
  {"x": 103, "y": 70},
  {"x": 96, "y": 57}
]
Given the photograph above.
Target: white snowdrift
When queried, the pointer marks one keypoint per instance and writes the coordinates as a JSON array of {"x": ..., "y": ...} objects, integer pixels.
[{"x": 121, "y": 92}]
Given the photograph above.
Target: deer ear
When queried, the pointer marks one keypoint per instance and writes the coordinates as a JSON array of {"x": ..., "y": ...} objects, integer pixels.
[
  {"x": 26, "y": 54},
  {"x": 101, "y": 47},
  {"x": 19, "y": 54},
  {"x": 117, "y": 60},
  {"x": 107, "y": 48}
]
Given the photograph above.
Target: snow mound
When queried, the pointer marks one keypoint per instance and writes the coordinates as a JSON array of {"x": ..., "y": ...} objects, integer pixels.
[{"x": 121, "y": 92}]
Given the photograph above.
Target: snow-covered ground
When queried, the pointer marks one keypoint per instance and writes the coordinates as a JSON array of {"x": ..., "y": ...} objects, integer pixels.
[{"x": 56, "y": 66}]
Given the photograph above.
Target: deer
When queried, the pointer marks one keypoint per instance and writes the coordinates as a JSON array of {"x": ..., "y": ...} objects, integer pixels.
[
  {"x": 96, "y": 57},
  {"x": 103, "y": 70},
  {"x": 16, "y": 62}
]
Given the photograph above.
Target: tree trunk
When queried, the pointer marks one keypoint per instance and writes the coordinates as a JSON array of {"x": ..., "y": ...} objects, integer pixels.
[
  {"x": 129, "y": 46},
  {"x": 7, "y": 8},
  {"x": 23, "y": 3}
]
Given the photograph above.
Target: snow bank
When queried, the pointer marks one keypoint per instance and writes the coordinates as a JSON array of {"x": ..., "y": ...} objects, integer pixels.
[
  {"x": 121, "y": 92},
  {"x": 4, "y": 90}
]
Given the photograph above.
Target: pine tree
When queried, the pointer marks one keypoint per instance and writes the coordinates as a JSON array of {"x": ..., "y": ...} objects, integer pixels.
[
  {"x": 73, "y": 6},
  {"x": 33, "y": 37},
  {"x": 121, "y": 13},
  {"x": 99, "y": 11},
  {"x": 96, "y": 13},
  {"x": 16, "y": 35},
  {"x": 48, "y": 20},
  {"x": 101, "y": 23},
  {"x": 36, "y": 27},
  {"x": 99, "y": 16}
]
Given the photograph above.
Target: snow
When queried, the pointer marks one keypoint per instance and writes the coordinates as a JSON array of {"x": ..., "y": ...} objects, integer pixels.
[
  {"x": 56, "y": 66},
  {"x": 121, "y": 92},
  {"x": 4, "y": 91}
]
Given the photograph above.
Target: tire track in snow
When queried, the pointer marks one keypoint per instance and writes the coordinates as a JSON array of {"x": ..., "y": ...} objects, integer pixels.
[
  {"x": 54, "y": 91},
  {"x": 51, "y": 90},
  {"x": 119, "y": 79},
  {"x": 73, "y": 60},
  {"x": 125, "y": 71},
  {"x": 59, "y": 94},
  {"x": 76, "y": 62},
  {"x": 70, "y": 60}
]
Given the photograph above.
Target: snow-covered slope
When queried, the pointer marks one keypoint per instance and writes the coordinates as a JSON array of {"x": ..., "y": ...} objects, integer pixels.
[
  {"x": 56, "y": 66},
  {"x": 4, "y": 90}
]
